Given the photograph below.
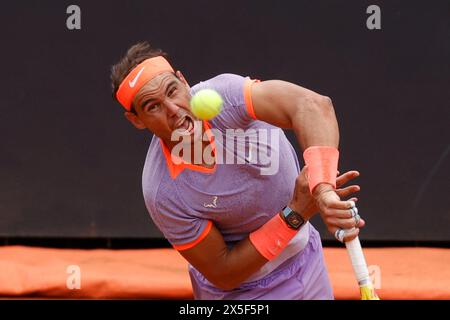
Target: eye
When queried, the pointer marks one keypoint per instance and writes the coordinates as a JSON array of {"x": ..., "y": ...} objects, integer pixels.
[
  {"x": 152, "y": 107},
  {"x": 171, "y": 91}
]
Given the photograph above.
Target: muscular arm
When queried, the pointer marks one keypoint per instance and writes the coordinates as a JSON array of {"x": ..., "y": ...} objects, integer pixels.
[
  {"x": 313, "y": 120},
  {"x": 225, "y": 268},
  {"x": 290, "y": 106}
]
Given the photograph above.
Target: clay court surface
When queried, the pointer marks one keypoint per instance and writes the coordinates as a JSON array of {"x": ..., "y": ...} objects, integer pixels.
[{"x": 404, "y": 273}]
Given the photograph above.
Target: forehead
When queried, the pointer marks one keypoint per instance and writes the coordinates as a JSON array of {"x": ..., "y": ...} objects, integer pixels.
[{"x": 155, "y": 86}]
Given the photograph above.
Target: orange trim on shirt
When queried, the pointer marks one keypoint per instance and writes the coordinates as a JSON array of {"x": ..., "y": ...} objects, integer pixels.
[
  {"x": 176, "y": 168},
  {"x": 196, "y": 241},
  {"x": 248, "y": 97}
]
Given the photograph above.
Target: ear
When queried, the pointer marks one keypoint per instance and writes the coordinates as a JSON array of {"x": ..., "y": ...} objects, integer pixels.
[
  {"x": 134, "y": 119},
  {"x": 181, "y": 77}
]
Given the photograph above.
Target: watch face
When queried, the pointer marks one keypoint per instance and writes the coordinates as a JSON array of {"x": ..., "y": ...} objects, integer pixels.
[{"x": 294, "y": 219}]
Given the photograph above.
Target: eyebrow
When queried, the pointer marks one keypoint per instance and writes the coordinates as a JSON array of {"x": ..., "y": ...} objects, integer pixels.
[{"x": 169, "y": 86}]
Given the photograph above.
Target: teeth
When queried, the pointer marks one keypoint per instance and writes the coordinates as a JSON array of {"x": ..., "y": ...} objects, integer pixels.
[
  {"x": 180, "y": 126},
  {"x": 181, "y": 123},
  {"x": 186, "y": 125}
]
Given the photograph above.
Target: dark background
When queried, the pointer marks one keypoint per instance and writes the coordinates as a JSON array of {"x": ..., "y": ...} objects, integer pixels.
[{"x": 71, "y": 165}]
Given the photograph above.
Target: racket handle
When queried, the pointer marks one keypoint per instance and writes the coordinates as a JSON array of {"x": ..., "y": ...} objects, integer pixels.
[{"x": 358, "y": 261}]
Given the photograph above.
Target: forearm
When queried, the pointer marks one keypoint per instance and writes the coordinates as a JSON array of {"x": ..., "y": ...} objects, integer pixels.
[
  {"x": 268, "y": 242},
  {"x": 314, "y": 122},
  {"x": 238, "y": 264},
  {"x": 224, "y": 267},
  {"x": 228, "y": 268}
]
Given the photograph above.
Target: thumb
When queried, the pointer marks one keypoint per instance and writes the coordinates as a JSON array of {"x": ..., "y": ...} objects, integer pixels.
[{"x": 305, "y": 172}]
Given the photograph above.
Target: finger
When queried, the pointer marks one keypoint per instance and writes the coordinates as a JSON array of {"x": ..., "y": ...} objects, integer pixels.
[
  {"x": 305, "y": 171},
  {"x": 361, "y": 223},
  {"x": 346, "y": 177},
  {"x": 341, "y": 223},
  {"x": 353, "y": 199},
  {"x": 345, "y": 192},
  {"x": 349, "y": 235},
  {"x": 338, "y": 214},
  {"x": 338, "y": 204}
]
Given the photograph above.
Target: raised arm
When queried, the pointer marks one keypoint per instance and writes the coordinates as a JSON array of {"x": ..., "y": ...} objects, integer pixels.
[
  {"x": 313, "y": 120},
  {"x": 290, "y": 106}
]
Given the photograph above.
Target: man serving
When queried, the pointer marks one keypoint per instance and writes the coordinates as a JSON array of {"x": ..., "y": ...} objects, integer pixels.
[{"x": 245, "y": 233}]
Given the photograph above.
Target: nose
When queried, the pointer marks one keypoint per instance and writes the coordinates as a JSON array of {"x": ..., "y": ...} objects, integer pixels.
[{"x": 172, "y": 108}]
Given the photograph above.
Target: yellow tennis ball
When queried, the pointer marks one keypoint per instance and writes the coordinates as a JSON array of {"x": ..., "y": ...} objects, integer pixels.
[{"x": 206, "y": 104}]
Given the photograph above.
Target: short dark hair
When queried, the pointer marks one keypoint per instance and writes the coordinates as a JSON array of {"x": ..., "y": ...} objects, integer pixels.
[{"x": 135, "y": 55}]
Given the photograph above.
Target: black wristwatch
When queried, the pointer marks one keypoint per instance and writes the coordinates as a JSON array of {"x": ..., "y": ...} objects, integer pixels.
[{"x": 292, "y": 218}]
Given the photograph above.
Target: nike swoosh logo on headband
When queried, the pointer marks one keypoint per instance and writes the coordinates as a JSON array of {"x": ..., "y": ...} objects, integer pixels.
[{"x": 133, "y": 82}]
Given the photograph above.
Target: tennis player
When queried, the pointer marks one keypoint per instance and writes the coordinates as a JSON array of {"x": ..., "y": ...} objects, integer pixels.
[{"x": 244, "y": 231}]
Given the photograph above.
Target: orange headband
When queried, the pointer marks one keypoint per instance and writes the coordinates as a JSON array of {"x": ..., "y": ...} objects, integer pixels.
[{"x": 139, "y": 76}]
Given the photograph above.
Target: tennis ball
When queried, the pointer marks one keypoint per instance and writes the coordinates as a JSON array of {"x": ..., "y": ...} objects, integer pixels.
[{"x": 206, "y": 104}]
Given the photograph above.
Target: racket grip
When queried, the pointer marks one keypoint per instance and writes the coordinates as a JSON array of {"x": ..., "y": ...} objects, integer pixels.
[{"x": 358, "y": 261}]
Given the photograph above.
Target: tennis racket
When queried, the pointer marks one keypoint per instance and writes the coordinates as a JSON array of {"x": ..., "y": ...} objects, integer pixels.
[{"x": 360, "y": 269}]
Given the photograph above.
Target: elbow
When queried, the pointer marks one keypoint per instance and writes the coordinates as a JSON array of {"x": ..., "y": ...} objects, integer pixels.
[
  {"x": 317, "y": 105},
  {"x": 323, "y": 105},
  {"x": 327, "y": 103}
]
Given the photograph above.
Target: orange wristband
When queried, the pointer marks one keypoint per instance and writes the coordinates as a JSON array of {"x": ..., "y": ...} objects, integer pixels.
[
  {"x": 272, "y": 237},
  {"x": 322, "y": 165}
]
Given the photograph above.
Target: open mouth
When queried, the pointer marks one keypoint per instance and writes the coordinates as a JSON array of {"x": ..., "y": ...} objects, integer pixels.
[{"x": 185, "y": 126}]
